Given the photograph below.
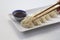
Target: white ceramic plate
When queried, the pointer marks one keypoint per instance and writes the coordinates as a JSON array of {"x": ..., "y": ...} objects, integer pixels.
[{"x": 22, "y": 29}]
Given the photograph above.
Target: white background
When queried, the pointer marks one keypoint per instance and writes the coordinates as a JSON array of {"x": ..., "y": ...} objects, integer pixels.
[{"x": 9, "y": 32}]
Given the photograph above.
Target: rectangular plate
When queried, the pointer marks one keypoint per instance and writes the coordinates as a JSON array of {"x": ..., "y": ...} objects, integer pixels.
[{"x": 22, "y": 29}]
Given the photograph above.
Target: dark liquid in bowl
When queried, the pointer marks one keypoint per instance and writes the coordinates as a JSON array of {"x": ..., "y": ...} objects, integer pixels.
[{"x": 19, "y": 14}]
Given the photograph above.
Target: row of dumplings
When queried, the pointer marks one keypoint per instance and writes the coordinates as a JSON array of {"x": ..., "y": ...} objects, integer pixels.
[{"x": 27, "y": 24}]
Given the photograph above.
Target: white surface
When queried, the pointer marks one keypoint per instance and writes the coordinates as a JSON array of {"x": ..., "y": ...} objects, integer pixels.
[{"x": 9, "y": 32}]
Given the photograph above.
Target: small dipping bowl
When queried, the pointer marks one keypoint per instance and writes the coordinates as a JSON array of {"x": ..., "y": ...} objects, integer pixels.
[{"x": 19, "y": 14}]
